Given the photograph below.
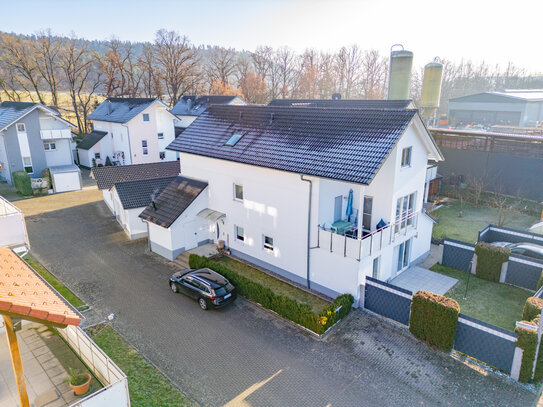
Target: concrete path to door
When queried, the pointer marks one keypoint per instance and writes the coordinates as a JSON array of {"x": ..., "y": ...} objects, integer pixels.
[{"x": 417, "y": 278}]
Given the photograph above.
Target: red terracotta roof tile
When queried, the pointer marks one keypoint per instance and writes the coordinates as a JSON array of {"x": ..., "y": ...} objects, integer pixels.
[{"x": 23, "y": 292}]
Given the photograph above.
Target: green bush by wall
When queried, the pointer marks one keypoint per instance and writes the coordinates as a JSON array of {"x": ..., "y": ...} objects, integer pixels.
[
  {"x": 21, "y": 181},
  {"x": 434, "y": 319},
  {"x": 286, "y": 307},
  {"x": 527, "y": 341},
  {"x": 489, "y": 261},
  {"x": 532, "y": 308}
]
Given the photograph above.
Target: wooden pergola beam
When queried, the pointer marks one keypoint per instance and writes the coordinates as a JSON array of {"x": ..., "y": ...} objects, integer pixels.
[{"x": 16, "y": 361}]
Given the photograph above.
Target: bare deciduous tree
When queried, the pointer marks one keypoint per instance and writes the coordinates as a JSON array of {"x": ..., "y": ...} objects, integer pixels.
[
  {"x": 177, "y": 61},
  {"x": 46, "y": 50},
  {"x": 151, "y": 84}
]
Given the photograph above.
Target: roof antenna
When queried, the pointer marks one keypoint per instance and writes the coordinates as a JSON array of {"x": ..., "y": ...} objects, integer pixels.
[
  {"x": 153, "y": 196},
  {"x": 240, "y": 115},
  {"x": 272, "y": 118}
]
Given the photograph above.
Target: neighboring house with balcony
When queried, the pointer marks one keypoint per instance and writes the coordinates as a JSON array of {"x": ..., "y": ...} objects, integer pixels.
[
  {"x": 128, "y": 131},
  {"x": 34, "y": 137},
  {"x": 192, "y": 106},
  {"x": 322, "y": 196}
]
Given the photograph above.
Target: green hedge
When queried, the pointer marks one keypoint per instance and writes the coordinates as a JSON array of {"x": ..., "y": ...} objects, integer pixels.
[
  {"x": 532, "y": 308},
  {"x": 285, "y": 306},
  {"x": 489, "y": 261},
  {"x": 21, "y": 181},
  {"x": 527, "y": 341},
  {"x": 540, "y": 281},
  {"x": 434, "y": 319}
]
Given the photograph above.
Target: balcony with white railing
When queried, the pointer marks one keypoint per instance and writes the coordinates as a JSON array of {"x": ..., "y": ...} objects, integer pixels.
[
  {"x": 348, "y": 245},
  {"x": 55, "y": 134}
]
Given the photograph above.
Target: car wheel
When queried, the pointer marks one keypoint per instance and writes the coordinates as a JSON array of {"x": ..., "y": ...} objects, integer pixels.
[
  {"x": 174, "y": 288},
  {"x": 203, "y": 303}
]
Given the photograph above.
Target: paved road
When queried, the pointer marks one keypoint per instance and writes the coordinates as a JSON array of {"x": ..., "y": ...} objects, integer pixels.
[{"x": 243, "y": 356}]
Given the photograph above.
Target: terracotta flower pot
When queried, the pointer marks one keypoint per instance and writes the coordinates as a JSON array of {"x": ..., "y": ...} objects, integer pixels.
[{"x": 82, "y": 388}]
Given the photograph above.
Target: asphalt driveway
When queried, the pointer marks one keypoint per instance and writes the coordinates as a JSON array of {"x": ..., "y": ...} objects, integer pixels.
[{"x": 242, "y": 355}]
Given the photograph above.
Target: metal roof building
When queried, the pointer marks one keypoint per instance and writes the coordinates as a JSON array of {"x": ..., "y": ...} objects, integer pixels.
[{"x": 521, "y": 107}]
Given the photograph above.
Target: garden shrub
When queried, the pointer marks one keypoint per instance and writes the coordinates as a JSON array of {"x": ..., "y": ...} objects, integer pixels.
[
  {"x": 489, "y": 261},
  {"x": 21, "y": 181},
  {"x": 286, "y": 307},
  {"x": 527, "y": 341},
  {"x": 532, "y": 308},
  {"x": 46, "y": 174},
  {"x": 434, "y": 319}
]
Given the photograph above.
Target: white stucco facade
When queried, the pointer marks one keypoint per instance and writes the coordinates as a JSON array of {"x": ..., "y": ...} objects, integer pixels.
[
  {"x": 276, "y": 204},
  {"x": 129, "y": 219}
]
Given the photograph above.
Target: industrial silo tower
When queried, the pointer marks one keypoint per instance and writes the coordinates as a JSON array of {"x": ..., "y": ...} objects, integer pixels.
[
  {"x": 431, "y": 91},
  {"x": 399, "y": 82}
]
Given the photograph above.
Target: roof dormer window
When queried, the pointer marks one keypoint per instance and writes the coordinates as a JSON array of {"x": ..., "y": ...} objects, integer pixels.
[{"x": 233, "y": 139}]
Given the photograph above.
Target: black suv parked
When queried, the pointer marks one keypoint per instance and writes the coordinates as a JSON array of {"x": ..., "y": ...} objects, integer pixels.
[{"x": 205, "y": 285}]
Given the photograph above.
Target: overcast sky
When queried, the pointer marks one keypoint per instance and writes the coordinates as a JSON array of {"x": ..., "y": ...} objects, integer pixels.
[{"x": 494, "y": 31}]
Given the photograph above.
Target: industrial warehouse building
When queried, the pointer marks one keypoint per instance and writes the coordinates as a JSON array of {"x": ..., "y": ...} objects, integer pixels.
[{"x": 510, "y": 107}]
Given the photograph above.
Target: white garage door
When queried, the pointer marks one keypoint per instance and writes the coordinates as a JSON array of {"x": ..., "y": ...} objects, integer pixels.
[{"x": 66, "y": 181}]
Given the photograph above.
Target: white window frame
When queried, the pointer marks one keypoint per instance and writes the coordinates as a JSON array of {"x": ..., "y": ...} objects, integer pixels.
[
  {"x": 236, "y": 233},
  {"x": 25, "y": 166},
  {"x": 144, "y": 147},
  {"x": 49, "y": 146},
  {"x": 235, "y": 192},
  {"x": 407, "y": 154},
  {"x": 364, "y": 214},
  {"x": 17, "y": 127},
  {"x": 267, "y": 246},
  {"x": 146, "y": 115},
  {"x": 405, "y": 206},
  {"x": 160, "y": 136}
]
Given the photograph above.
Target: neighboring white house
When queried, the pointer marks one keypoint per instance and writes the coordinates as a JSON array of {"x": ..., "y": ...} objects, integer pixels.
[
  {"x": 130, "y": 198},
  {"x": 192, "y": 106},
  {"x": 34, "y": 137},
  {"x": 128, "y": 131},
  {"x": 107, "y": 177},
  {"x": 321, "y": 196}
]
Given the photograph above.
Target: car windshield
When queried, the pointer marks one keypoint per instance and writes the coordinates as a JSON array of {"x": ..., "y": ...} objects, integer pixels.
[{"x": 224, "y": 289}]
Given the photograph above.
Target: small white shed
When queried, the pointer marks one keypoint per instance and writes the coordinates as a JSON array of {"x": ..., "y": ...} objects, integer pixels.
[{"x": 66, "y": 178}]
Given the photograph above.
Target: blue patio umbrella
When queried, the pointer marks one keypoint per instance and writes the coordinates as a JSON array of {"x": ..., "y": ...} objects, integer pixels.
[{"x": 349, "y": 210}]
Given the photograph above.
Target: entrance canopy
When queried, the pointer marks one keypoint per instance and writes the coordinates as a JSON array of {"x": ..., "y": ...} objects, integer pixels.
[
  {"x": 211, "y": 215},
  {"x": 24, "y": 294}
]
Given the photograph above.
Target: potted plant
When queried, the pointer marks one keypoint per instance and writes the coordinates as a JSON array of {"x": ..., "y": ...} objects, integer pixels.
[{"x": 79, "y": 382}]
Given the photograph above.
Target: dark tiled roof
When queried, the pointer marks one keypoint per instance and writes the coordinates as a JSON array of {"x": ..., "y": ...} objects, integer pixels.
[
  {"x": 173, "y": 201},
  {"x": 343, "y": 144},
  {"x": 106, "y": 177},
  {"x": 120, "y": 110},
  {"x": 192, "y": 105},
  {"x": 343, "y": 103},
  {"x": 11, "y": 111},
  {"x": 135, "y": 194},
  {"x": 91, "y": 139}
]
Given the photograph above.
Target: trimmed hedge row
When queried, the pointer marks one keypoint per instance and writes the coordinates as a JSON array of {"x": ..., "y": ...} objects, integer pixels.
[
  {"x": 489, "y": 261},
  {"x": 527, "y": 341},
  {"x": 434, "y": 319},
  {"x": 21, "y": 181},
  {"x": 532, "y": 308},
  {"x": 287, "y": 307}
]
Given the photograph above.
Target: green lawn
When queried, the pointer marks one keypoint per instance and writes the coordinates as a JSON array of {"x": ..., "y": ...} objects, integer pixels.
[
  {"x": 147, "y": 385},
  {"x": 277, "y": 286},
  {"x": 51, "y": 279},
  {"x": 495, "y": 303},
  {"x": 467, "y": 226}
]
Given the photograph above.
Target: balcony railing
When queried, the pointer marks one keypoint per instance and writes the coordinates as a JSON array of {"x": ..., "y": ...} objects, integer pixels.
[
  {"x": 358, "y": 248},
  {"x": 55, "y": 134}
]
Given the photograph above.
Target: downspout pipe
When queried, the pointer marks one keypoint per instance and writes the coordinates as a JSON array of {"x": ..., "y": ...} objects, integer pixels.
[
  {"x": 129, "y": 146},
  {"x": 308, "y": 227}
]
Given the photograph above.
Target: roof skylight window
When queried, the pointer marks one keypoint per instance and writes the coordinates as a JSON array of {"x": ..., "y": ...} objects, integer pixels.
[{"x": 233, "y": 140}]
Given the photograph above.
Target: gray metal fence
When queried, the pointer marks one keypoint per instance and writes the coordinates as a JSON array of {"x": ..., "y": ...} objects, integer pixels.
[
  {"x": 457, "y": 254},
  {"x": 523, "y": 271},
  {"x": 387, "y": 300},
  {"x": 486, "y": 342}
]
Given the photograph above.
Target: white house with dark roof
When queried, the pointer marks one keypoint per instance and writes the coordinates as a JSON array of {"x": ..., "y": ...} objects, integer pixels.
[
  {"x": 192, "y": 106},
  {"x": 129, "y": 131},
  {"x": 130, "y": 198},
  {"x": 322, "y": 196},
  {"x": 34, "y": 137}
]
